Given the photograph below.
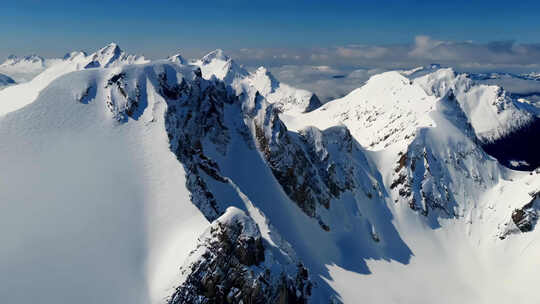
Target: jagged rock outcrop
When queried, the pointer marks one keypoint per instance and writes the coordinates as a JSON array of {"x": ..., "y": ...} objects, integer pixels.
[
  {"x": 288, "y": 161},
  {"x": 123, "y": 97},
  {"x": 230, "y": 266},
  {"x": 195, "y": 114},
  {"x": 523, "y": 219},
  {"x": 313, "y": 167}
]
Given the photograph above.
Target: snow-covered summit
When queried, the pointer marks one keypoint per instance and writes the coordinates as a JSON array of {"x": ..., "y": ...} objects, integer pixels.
[
  {"x": 217, "y": 54},
  {"x": 221, "y": 66},
  {"x": 391, "y": 106},
  {"x": 491, "y": 111},
  {"x": 37, "y": 79},
  {"x": 386, "y": 110},
  {"x": 286, "y": 98},
  {"x": 112, "y": 55},
  {"x": 177, "y": 58}
]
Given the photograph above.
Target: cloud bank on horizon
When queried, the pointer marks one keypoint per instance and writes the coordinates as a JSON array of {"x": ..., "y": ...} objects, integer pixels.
[
  {"x": 468, "y": 55},
  {"x": 334, "y": 71}
]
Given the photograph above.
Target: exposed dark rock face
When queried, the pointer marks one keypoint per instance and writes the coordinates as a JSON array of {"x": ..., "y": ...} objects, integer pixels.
[
  {"x": 87, "y": 95},
  {"x": 229, "y": 266},
  {"x": 123, "y": 101},
  {"x": 289, "y": 162},
  {"x": 302, "y": 163},
  {"x": 314, "y": 103},
  {"x": 525, "y": 218},
  {"x": 195, "y": 114}
]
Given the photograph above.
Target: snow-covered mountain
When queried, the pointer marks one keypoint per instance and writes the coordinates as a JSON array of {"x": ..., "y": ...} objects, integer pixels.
[
  {"x": 286, "y": 98},
  {"x": 107, "y": 57},
  {"x": 110, "y": 56},
  {"x": 178, "y": 181}
]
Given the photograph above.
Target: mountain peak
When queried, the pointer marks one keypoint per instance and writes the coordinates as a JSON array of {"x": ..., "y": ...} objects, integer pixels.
[
  {"x": 218, "y": 54},
  {"x": 111, "y": 48},
  {"x": 177, "y": 58},
  {"x": 30, "y": 59},
  {"x": 112, "y": 54},
  {"x": 74, "y": 54},
  {"x": 262, "y": 71}
]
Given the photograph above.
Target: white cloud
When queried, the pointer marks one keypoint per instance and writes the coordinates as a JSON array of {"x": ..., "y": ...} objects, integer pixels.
[
  {"x": 422, "y": 51},
  {"x": 325, "y": 81}
]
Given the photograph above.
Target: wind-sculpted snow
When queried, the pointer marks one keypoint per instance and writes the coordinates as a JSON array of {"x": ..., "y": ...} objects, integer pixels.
[{"x": 161, "y": 182}]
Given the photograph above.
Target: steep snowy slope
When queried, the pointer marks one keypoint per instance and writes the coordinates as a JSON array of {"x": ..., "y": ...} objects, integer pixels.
[
  {"x": 505, "y": 126},
  {"x": 93, "y": 210},
  {"x": 492, "y": 113}
]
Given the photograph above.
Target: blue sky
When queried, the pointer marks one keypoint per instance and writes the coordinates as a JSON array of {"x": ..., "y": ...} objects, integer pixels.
[{"x": 157, "y": 28}]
